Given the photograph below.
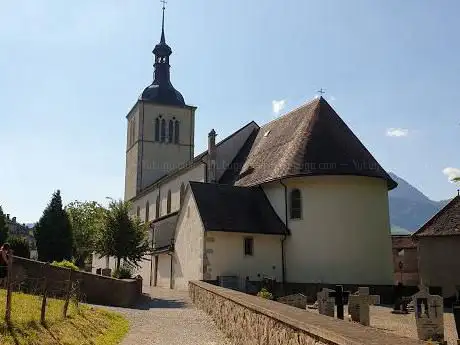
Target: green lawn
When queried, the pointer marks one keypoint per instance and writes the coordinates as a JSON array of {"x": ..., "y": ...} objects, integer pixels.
[{"x": 86, "y": 326}]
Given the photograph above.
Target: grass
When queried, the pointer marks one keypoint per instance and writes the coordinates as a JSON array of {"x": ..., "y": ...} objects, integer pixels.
[{"x": 83, "y": 326}]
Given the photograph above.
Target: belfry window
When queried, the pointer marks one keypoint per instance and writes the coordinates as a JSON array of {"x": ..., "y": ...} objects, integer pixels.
[
  {"x": 163, "y": 130},
  {"x": 157, "y": 129},
  {"x": 170, "y": 131},
  {"x": 296, "y": 204},
  {"x": 176, "y": 132}
]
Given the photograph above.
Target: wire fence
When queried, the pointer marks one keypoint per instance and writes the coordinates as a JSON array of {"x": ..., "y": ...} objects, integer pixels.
[{"x": 41, "y": 299}]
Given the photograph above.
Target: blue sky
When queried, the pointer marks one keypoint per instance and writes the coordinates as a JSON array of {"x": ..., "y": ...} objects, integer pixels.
[{"x": 70, "y": 71}]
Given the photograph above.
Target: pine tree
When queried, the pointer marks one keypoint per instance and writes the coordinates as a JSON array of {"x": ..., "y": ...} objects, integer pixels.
[
  {"x": 3, "y": 228},
  {"x": 53, "y": 232}
]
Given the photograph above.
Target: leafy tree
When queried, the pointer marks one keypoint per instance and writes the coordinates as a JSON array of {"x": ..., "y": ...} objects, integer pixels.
[
  {"x": 456, "y": 179},
  {"x": 3, "y": 228},
  {"x": 87, "y": 220},
  {"x": 122, "y": 237},
  {"x": 53, "y": 232},
  {"x": 20, "y": 246}
]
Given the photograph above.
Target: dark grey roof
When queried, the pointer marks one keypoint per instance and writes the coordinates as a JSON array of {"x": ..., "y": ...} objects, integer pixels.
[
  {"x": 444, "y": 223},
  {"x": 236, "y": 209},
  {"x": 163, "y": 231},
  {"x": 311, "y": 140}
]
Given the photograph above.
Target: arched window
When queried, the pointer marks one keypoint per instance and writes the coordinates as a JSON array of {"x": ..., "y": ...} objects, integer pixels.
[
  {"x": 168, "y": 203},
  {"x": 163, "y": 130},
  {"x": 170, "y": 131},
  {"x": 147, "y": 206},
  {"x": 176, "y": 132},
  {"x": 296, "y": 204},
  {"x": 138, "y": 211},
  {"x": 157, "y": 207},
  {"x": 157, "y": 129},
  {"x": 182, "y": 193}
]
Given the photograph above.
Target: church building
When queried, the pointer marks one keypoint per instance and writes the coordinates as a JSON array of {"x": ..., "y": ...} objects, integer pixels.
[{"x": 299, "y": 199}]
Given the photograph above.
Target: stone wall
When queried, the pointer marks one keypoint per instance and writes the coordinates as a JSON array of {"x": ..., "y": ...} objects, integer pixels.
[
  {"x": 93, "y": 288},
  {"x": 252, "y": 320}
]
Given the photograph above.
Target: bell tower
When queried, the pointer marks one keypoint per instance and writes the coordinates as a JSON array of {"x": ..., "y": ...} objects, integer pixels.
[{"x": 160, "y": 133}]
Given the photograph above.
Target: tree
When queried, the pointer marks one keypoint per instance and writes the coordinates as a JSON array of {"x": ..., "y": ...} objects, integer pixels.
[
  {"x": 53, "y": 232},
  {"x": 122, "y": 237},
  {"x": 3, "y": 228},
  {"x": 456, "y": 179},
  {"x": 20, "y": 247},
  {"x": 87, "y": 220}
]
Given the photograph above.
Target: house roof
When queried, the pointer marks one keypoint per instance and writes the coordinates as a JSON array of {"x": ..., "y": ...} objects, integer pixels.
[
  {"x": 444, "y": 223},
  {"x": 403, "y": 242},
  {"x": 311, "y": 140},
  {"x": 236, "y": 209}
]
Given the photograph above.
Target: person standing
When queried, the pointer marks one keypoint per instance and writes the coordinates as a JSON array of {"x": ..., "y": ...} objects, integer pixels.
[{"x": 4, "y": 259}]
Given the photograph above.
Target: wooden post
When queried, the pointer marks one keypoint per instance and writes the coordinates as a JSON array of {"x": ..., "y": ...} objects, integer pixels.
[
  {"x": 9, "y": 288},
  {"x": 45, "y": 288},
  {"x": 67, "y": 295}
]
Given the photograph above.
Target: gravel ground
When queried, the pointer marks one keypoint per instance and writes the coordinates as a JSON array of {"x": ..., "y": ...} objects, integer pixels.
[
  {"x": 169, "y": 318},
  {"x": 404, "y": 325}
]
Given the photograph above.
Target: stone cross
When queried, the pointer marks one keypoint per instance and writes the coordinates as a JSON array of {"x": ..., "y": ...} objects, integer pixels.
[
  {"x": 326, "y": 304},
  {"x": 358, "y": 305},
  {"x": 429, "y": 315}
]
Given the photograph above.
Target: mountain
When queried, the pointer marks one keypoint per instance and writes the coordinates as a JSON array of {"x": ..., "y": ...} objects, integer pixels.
[{"x": 410, "y": 208}]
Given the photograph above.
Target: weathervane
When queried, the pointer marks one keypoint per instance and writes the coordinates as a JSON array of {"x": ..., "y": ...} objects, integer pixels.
[{"x": 164, "y": 2}]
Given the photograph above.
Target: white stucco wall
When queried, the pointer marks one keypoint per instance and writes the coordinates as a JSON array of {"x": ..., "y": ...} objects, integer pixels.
[
  {"x": 164, "y": 271},
  {"x": 188, "y": 255},
  {"x": 344, "y": 233},
  {"x": 225, "y": 254}
]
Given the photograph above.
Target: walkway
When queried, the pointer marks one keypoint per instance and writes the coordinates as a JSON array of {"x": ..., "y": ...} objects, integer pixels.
[{"x": 169, "y": 318}]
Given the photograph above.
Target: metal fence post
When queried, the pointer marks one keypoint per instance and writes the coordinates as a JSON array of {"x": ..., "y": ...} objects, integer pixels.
[
  {"x": 45, "y": 287},
  {"x": 9, "y": 288},
  {"x": 67, "y": 295}
]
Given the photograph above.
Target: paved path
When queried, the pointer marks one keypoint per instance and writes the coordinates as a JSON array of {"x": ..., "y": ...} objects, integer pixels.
[{"x": 169, "y": 318}]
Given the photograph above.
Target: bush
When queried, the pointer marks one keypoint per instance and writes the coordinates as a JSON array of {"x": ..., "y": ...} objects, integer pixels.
[
  {"x": 65, "y": 264},
  {"x": 20, "y": 247},
  {"x": 264, "y": 293},
  {"x": 124, "y": 272}
]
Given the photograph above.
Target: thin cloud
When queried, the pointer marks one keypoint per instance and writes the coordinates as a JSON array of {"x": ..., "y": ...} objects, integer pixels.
[
  {"x": 397, "y": 132},
  {"x": 331, "y": 98},
  {"x": 277, "y": 106},
  {"x": 451, "y": 173}
]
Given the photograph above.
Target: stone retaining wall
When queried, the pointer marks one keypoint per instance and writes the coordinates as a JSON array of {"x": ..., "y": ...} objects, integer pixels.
[
  {"x": 94, "y": 288},
  {"x": 252, "y": 320}
]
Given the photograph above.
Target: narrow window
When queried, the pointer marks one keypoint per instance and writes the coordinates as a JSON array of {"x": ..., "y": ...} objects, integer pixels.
[
  {"x": 176, "y": 132},
  {"x": 157, "y": 129},
  {"x": 138, "y": 211},
  {"x": 163, "y": 130},
  {"x": 182, "y": 193},
  {"x": 147, "y": 206},
  {"x": 168, "y": 203},
  {"x": 170, "y": 131},
  {"x": 157, "y": 207},
  {"x": 248, "y": 246},
  {"x": 296, "y": 204}
]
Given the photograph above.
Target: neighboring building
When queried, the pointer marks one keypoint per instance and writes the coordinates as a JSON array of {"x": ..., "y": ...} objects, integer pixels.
[
  {"x": 23, "y": 231},
  {"x": 405, "y": 260},
  {"x": 299, "y": 199},
  {"x": 439, "y": 247}
]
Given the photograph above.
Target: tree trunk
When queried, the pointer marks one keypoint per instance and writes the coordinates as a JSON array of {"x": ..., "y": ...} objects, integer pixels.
[{"x": 118, "y": 263}]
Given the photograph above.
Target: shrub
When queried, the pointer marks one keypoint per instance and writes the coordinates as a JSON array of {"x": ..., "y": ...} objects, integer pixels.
[
  {"x": 264, "y": 293},
  {"x": 65, "y": 264},
  {"x": 20, "y": 247},
  {"x": 124, "y": 272}
]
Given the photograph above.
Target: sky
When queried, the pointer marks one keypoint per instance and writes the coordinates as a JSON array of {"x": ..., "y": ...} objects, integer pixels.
[{"x": 70, "y": 72}]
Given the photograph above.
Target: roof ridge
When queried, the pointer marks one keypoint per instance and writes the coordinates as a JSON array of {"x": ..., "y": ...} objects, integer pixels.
[
  {"x": 292, "y": 111},
  {"x": 436, "y": 216}
]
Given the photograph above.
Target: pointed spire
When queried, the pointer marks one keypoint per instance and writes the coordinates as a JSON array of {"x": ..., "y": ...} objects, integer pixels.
[{"x": 163, "y": 40}]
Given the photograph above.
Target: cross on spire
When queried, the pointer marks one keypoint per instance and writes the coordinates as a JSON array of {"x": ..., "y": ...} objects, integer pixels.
[
  {"x": 321, "y": 91},
  {"x": 163, "y": 40}
]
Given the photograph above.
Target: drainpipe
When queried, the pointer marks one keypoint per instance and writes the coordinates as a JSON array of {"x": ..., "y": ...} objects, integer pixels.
[{"x": 283, "y": 265}]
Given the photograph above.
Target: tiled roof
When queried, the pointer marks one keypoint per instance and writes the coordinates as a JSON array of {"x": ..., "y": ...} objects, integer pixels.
[
  {"x": 236, "y": 209},
  {"x": 403, "y": 242},
  {"x": 444, "y": 223},
  {"x": 311, "y": 140}
]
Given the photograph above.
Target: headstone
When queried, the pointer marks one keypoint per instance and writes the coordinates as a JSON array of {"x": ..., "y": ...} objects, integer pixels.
[
  {"x": 358, "y": 305},
  {"x": 429, "y": 315},
  {"x": 326, "y": 302}
]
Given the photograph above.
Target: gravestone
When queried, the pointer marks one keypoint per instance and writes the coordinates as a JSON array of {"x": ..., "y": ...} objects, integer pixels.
[
  {"x": 326, "y": 302},
  {"x": 429, "y": 315},
  {"x": 358, "y": 305}
]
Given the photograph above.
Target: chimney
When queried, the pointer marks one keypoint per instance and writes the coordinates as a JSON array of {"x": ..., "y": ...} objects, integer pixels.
[
  {"x": 212, "y": 166},
  {"x": 13, "y": 220}
]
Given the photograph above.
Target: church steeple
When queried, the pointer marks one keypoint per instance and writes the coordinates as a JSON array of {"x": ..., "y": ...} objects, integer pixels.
[{"x": 161, "y": 90}]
